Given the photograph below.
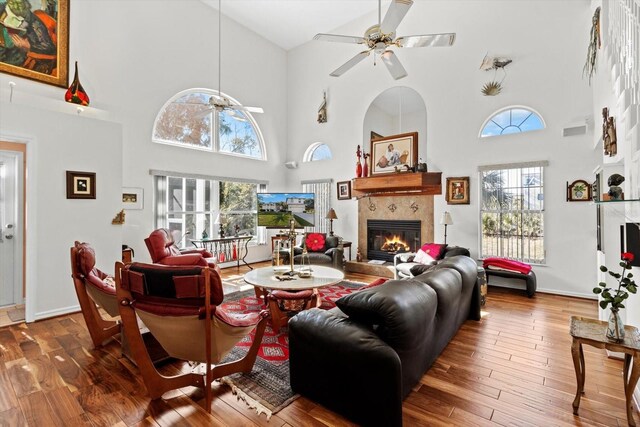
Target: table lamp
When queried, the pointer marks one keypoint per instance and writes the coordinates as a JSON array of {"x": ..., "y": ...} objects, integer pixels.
[
  {"x": 446, "y": 220},
  {"x": 331, "y": 215}
]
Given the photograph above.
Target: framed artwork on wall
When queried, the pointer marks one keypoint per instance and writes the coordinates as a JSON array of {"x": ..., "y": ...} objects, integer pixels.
[
  {"x": 132, "y": 198},
  {"x": 35, "y": 40},
  {"x": 395, "y": 151},
  {"x": 458, "y": 190},
  {"x": 579, "y": 191},
  {"x": 81, "y": 185},
  {"x": 344, "y": 190}
]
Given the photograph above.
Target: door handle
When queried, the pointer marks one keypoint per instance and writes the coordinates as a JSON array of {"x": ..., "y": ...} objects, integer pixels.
[{"x": 8, "y": 236}]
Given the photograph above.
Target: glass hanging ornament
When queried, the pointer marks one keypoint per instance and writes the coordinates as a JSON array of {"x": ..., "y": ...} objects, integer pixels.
[{"x": 76, "y": 94}]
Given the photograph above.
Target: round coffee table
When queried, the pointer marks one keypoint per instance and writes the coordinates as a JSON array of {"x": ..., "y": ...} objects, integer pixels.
[{"x": 264, "y": 279}]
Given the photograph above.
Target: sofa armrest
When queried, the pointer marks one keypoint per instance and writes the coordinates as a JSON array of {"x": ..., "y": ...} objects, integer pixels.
[
  {"x": 203, "y": 252},
  {"x": 403, "y": 257},
  {"x": 344, "y": 366}
]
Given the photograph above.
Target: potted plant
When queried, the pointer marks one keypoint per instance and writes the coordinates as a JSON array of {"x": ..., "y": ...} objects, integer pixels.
[{"x": 626, "y": 286}]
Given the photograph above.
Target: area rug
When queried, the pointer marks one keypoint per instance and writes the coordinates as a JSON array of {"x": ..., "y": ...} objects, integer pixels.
[{"x": 266, "y": 388}]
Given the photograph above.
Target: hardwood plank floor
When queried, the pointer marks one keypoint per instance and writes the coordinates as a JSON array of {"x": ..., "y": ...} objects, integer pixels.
[{"x": 513, "y": 367}]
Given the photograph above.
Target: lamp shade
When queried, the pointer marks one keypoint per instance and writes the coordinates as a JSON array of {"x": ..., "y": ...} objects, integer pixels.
[
  {"x": 331, "y": 214},
  {"x": 446, "y": 218}
]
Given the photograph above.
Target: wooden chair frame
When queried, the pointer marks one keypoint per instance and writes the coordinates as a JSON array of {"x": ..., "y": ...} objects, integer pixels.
[
  {"x": 158, "y": 384},
  {"x": 100, "y": 329}
]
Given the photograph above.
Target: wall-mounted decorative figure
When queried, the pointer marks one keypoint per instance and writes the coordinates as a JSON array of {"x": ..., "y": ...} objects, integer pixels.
[
  {"x": 119, "y": 218},
  {"x": 322, "y": 111},
  {"x": 594, "y": 44},
  {"x": 609, "y": 136},
  {"x": 494, "y": 63},
  {"x": 615, "y": 191}
]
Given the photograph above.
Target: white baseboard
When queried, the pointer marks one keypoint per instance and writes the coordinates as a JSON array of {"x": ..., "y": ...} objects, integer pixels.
[
  {"x": 57, "y": 312},
  {"x": 547, "y": 291}
]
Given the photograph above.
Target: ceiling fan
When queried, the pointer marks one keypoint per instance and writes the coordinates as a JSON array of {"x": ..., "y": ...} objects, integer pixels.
[
  {"x": 380, "y": 37},
  {"x": 220, "y": 102}
]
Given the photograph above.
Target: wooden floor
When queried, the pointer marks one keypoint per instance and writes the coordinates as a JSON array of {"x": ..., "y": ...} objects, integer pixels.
[{"x": 513, "y": 367}]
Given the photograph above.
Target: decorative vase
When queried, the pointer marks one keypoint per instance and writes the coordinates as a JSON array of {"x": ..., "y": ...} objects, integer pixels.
[
  {"x": 76, "y": 94},
  {"x": 358, "y": 169},
  {"x": 615, "y": 328},
  {"x": 365, "y": 168}
]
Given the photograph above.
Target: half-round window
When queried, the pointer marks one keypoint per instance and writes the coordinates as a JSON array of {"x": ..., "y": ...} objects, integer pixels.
[
  {"x": 189, "y": 119},
  {"x": 515, "y": 119},
  {"x": 317, "y": 151}
]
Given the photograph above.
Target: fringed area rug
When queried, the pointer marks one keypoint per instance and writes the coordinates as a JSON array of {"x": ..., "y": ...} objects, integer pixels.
[{"x": 266, "y": 388}]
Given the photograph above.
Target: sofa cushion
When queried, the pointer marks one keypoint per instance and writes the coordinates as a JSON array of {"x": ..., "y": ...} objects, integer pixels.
[
  {"x": 435, "y": 250},
  {"x": 315, "y": 242},
  {"x": 418, "y": 269}
]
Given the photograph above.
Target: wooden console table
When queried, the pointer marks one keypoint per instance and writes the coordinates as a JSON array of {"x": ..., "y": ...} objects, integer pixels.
[
  {"x": 593, "y": 332},
  {"x": 223, "y": 248}
]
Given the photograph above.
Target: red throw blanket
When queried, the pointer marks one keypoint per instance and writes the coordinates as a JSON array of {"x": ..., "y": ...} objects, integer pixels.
[{"x": 507, "y": 264}]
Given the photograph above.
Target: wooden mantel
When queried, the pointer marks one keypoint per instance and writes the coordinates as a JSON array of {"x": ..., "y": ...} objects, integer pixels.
[{"x": 427, "y": 183}]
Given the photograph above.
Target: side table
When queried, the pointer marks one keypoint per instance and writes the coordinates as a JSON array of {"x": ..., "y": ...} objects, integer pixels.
[{"x": 593, "y": 332}]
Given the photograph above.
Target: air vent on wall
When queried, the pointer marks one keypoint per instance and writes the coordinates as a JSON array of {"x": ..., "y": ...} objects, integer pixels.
[{"x": 575, "y": 130}]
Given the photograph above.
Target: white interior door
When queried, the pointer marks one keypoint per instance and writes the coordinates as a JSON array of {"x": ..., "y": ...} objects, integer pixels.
[{"x": 10, "y": 267}]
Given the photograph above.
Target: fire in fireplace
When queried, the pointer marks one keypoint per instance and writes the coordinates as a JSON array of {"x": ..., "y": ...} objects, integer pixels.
[{"x": 386, "y": 238}]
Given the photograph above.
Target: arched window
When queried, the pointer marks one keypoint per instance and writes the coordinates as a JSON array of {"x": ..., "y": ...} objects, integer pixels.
[
  {"x": 513, "y": 119},
  {"x": 317, "y": 151},
  {"x": 189, "y": 120}
]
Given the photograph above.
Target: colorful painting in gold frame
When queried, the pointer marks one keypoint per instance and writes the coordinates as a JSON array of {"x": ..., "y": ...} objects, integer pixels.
[{"x": 34, "y": 40}]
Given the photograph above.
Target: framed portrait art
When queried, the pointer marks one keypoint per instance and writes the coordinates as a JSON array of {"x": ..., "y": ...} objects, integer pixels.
[
  {"x": 132, "y": 198},
  {"x": 81, "y": 185},
  {"x": 344, "y": 190},
  {"x": 458, "y": 190},
  {"x": 394, "y": 152},
  {"x": 34, "y": 40}
]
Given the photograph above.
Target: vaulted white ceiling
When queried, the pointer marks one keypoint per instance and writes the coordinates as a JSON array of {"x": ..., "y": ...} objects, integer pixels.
[{"x": 290, "y": 23}]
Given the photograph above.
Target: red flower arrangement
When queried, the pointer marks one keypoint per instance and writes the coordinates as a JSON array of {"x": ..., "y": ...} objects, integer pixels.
[{"x": 315, "y": 242}]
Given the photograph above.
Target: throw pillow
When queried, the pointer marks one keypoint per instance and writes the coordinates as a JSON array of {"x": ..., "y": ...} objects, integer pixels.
[
  {"x": 423, "y": 258},
  {"x": 435, "y": 250},
  {"x": 315, "y": 242},
  {"x": 375, "y": 283}
]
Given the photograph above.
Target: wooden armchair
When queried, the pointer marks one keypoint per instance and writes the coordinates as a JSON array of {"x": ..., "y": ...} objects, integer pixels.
[
  {"x": 94, "y": 287},
  {"x": 179, "y": 306}
]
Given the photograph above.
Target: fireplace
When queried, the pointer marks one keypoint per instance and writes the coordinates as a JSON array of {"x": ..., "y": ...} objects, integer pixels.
[{"x": 385, "y": 238}]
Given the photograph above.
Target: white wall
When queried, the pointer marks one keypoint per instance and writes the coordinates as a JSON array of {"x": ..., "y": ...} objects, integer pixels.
[
  {"x": 59, "y": 141},
  {"x": 545, "y": 75},
  {"x": 132, "y": 59}
]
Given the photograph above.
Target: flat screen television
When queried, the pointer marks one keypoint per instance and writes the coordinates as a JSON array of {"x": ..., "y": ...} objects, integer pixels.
[{"x": 276, "y": 209}]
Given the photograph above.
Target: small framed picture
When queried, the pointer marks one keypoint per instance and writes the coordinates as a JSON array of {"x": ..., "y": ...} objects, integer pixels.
[
  {"x": 344, "y": 190},
  {"x": 579, "y": 191},
  {"x": 458, "y": 190},
  {"x": 132, "y": 198},
  {"x": 81, "y": 185}
]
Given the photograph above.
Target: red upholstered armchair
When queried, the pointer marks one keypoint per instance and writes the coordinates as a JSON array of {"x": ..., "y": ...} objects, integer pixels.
[{"x": 163, "y": 250}]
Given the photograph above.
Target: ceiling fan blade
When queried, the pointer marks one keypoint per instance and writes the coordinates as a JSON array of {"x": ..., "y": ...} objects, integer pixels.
[
  {"x": 395, "y": 15},
  {"x": 430, "y": 40},
  {"x": 204, "y": 113},
  {"x": 393, "y": 65},
  {"x": 350, "y": 63},
  {"x": 234, "y": 115},
  {"x": 339, "y": 39},
  {"x": 247, "y": 109}
]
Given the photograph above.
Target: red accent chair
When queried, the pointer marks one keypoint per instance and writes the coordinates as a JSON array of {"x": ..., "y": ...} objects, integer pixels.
[
  {"x": 163, "y": 250},
  {"x": 93, "y": 288},
  {"x": 179, "y": 305}
]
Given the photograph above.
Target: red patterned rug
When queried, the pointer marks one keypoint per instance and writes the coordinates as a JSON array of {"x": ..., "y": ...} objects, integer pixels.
[
  {"x": 266, "y": 388},
  {"x": 275, "y": 344}
]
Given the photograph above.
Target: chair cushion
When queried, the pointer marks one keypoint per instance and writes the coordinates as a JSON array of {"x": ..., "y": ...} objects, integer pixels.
[
  {"x": 86, "y": 258},
  {"x": 418, "y": 269},
  {"x": 160, "y": 243},
  {"x": 405, "y": 267},
  {"x": 435, "y": 250},
  {"x": 315, "y": 242}
]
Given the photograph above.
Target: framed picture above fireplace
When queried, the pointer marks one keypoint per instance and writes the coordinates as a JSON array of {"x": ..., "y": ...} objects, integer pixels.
[
  {"x": 458, "y": 190},
  {"x": 395, "y": 152}
]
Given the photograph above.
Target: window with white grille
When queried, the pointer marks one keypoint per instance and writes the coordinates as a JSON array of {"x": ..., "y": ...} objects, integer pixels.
[
  {"x": 322, "y": 191},
  {"x": 512, "y": 212}
]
